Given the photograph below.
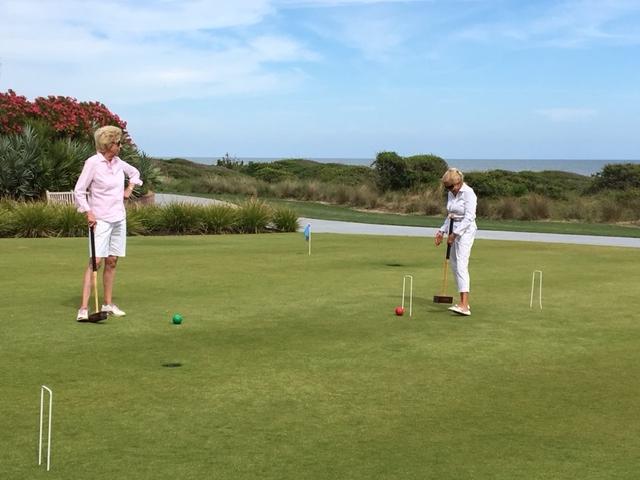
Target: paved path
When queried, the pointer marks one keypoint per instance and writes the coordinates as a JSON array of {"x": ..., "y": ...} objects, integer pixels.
[
  {"x": 167, "y": 198},
  {"x": 330, "y": 226}
]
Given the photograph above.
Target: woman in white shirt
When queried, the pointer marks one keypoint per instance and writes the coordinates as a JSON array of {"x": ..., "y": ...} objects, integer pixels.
[{"x": 461, "y": 206}]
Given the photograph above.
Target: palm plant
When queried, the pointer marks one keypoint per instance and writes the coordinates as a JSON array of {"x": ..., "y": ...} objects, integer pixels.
[
  {"x": 59, "y": 169},
  {"x": 19, "y": 157}
]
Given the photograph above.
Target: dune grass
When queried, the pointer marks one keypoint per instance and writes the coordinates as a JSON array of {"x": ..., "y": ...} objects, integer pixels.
[
  {"x": 294, "y": 366},
  {"x": 342, "y": 213}
]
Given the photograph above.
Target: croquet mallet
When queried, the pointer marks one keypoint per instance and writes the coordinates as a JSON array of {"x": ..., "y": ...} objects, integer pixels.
[{"x": 443, "y": 297}]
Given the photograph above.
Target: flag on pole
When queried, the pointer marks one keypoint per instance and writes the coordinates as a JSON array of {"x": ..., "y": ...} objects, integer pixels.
[{"x": 307, "y": 235}]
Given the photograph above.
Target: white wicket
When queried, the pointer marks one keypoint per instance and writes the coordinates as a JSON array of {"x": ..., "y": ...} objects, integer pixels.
[
  {"x": 404, "y": 283},
  {"x": 42, "y": 390},
  {"x": 533, "y": 282}
]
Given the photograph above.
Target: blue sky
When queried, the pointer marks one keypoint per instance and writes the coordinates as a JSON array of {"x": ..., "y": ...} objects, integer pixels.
[{"x": 336, "y": 78}]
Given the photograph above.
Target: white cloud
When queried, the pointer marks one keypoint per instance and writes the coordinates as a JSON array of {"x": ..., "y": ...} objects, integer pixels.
[
  {"x": 144, "y": 51},
  {"x": 567, "y": 115},
  {"x": 566, "y": 24}
]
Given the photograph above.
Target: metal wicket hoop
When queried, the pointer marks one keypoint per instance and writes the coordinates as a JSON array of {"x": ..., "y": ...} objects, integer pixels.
[
  {"x": 44, "y": 389},
  {"x": 533, "y": 282},
  {"x": 404, "y": 283}
]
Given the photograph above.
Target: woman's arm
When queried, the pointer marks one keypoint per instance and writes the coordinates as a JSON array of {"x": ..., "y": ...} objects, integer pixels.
[{"x": 470, "y": 202}]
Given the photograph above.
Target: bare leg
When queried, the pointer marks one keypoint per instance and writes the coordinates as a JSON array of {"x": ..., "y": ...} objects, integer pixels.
[
  {"x": 108, "y": 277},
  {"x": 464, "y": 300},
  {"x": 86, "y": 283}
]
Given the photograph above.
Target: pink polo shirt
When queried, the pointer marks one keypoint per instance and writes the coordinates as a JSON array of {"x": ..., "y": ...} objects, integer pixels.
[{"x": 105, "y": 182}]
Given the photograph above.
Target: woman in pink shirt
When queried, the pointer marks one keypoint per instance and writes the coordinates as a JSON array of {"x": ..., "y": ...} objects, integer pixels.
[{"x": 99, "y": 194}]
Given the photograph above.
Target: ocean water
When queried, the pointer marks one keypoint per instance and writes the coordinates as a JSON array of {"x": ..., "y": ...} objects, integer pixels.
[{"x": 582, "y": 167}]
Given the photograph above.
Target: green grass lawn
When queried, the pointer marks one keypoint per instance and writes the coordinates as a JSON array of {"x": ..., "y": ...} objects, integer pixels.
[{"x": 295, "y": 367}]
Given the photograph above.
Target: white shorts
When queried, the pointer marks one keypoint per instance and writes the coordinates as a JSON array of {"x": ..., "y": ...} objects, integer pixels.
[{"x": 111, "y": 238}]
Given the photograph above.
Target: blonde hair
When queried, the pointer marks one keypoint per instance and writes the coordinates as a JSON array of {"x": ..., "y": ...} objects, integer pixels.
[
  {"x": 453, "y": 176},
  {"x": 106, "y": 136}
]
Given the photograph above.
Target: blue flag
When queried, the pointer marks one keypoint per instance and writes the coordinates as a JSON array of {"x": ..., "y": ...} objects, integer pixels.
[{"x": 307, "y": 232}]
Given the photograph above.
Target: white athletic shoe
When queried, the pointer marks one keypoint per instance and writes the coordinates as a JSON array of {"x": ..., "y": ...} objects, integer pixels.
[
  {"x": 83, "y": 314},
  {"x": 456, "y": 306},
  {"x": 113, "y": 310},
  {"x": 460, "y": 311}
]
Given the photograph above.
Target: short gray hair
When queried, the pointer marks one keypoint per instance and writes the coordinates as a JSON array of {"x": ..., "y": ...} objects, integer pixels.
[{"x": 106, "y": 136}]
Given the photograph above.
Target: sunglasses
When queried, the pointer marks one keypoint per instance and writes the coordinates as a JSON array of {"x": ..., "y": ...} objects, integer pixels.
[
  {"x": 449, "y": 187},
  {"x": 118, "y": 143}
]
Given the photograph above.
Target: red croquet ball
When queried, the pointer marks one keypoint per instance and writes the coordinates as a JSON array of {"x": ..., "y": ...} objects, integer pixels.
[{"x": 399, "y": 311}]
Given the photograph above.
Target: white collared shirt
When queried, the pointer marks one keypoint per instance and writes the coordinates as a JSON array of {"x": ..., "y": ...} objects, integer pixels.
[{"x": 462, "y": 207}]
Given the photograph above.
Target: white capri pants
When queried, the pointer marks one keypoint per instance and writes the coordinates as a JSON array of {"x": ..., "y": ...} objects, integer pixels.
[{"x": 459, "y": 259}]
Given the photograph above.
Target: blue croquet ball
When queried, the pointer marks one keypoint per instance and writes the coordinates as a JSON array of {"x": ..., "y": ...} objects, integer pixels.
[{"x": 177, "y": 319}]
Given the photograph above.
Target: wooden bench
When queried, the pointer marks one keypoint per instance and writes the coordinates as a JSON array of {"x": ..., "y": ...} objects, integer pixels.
[{"x": 61, "y": 198}]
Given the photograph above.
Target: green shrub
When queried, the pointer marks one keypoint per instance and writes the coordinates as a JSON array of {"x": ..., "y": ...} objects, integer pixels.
[
  {"x": 144, "y": 219},
  {"x": 218, "y": 218},
  {"x": 496, "y": 183},
  {"x": 503, "y": 183},
  {"x": 392, "y": 172},
  {"x": 6, "y": 223},
  {"x": 253, "y": 216},
  {"x": 69, "y": 222},
  {"x": 181, "y": 218},
  {"x": 272, "y": 174},
  {"x": 399, "y": 173},
  {"x": 34, "y": 220},
  {"x": 308, "y": 170},
  {"x": 425, "y": 169},
  {"x": 285, "y": 220},
  {"x": 616, "y": 177},
  {"x": 137, "y": 216}
]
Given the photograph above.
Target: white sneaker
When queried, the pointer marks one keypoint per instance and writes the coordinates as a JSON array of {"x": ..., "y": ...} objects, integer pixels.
[
  {"x": 460, "y": 311},
  {"x": 113, "y": 310},
  {"x": 455, "y": 307},
  {"x": 83, "y": 314}
]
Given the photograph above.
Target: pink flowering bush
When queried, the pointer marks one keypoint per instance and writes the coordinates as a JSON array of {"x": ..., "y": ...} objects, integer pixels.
[
  {"x": 65, "y": 116},
  {"x": 44, "y": 143},
  {"x": 14, "y": 112}
]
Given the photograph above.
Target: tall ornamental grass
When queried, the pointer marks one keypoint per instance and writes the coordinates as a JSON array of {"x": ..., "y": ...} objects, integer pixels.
[
  {"x": 285, "y": 220},
  {"x": 68, "y": 221},
  {"x": 219, "y": 219},
  {"x": 181, "y": 218},
  {"x": 33, "y": 220},
  {"x": 37, "y": 219},
  {"x": 253, "y": 216}
]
